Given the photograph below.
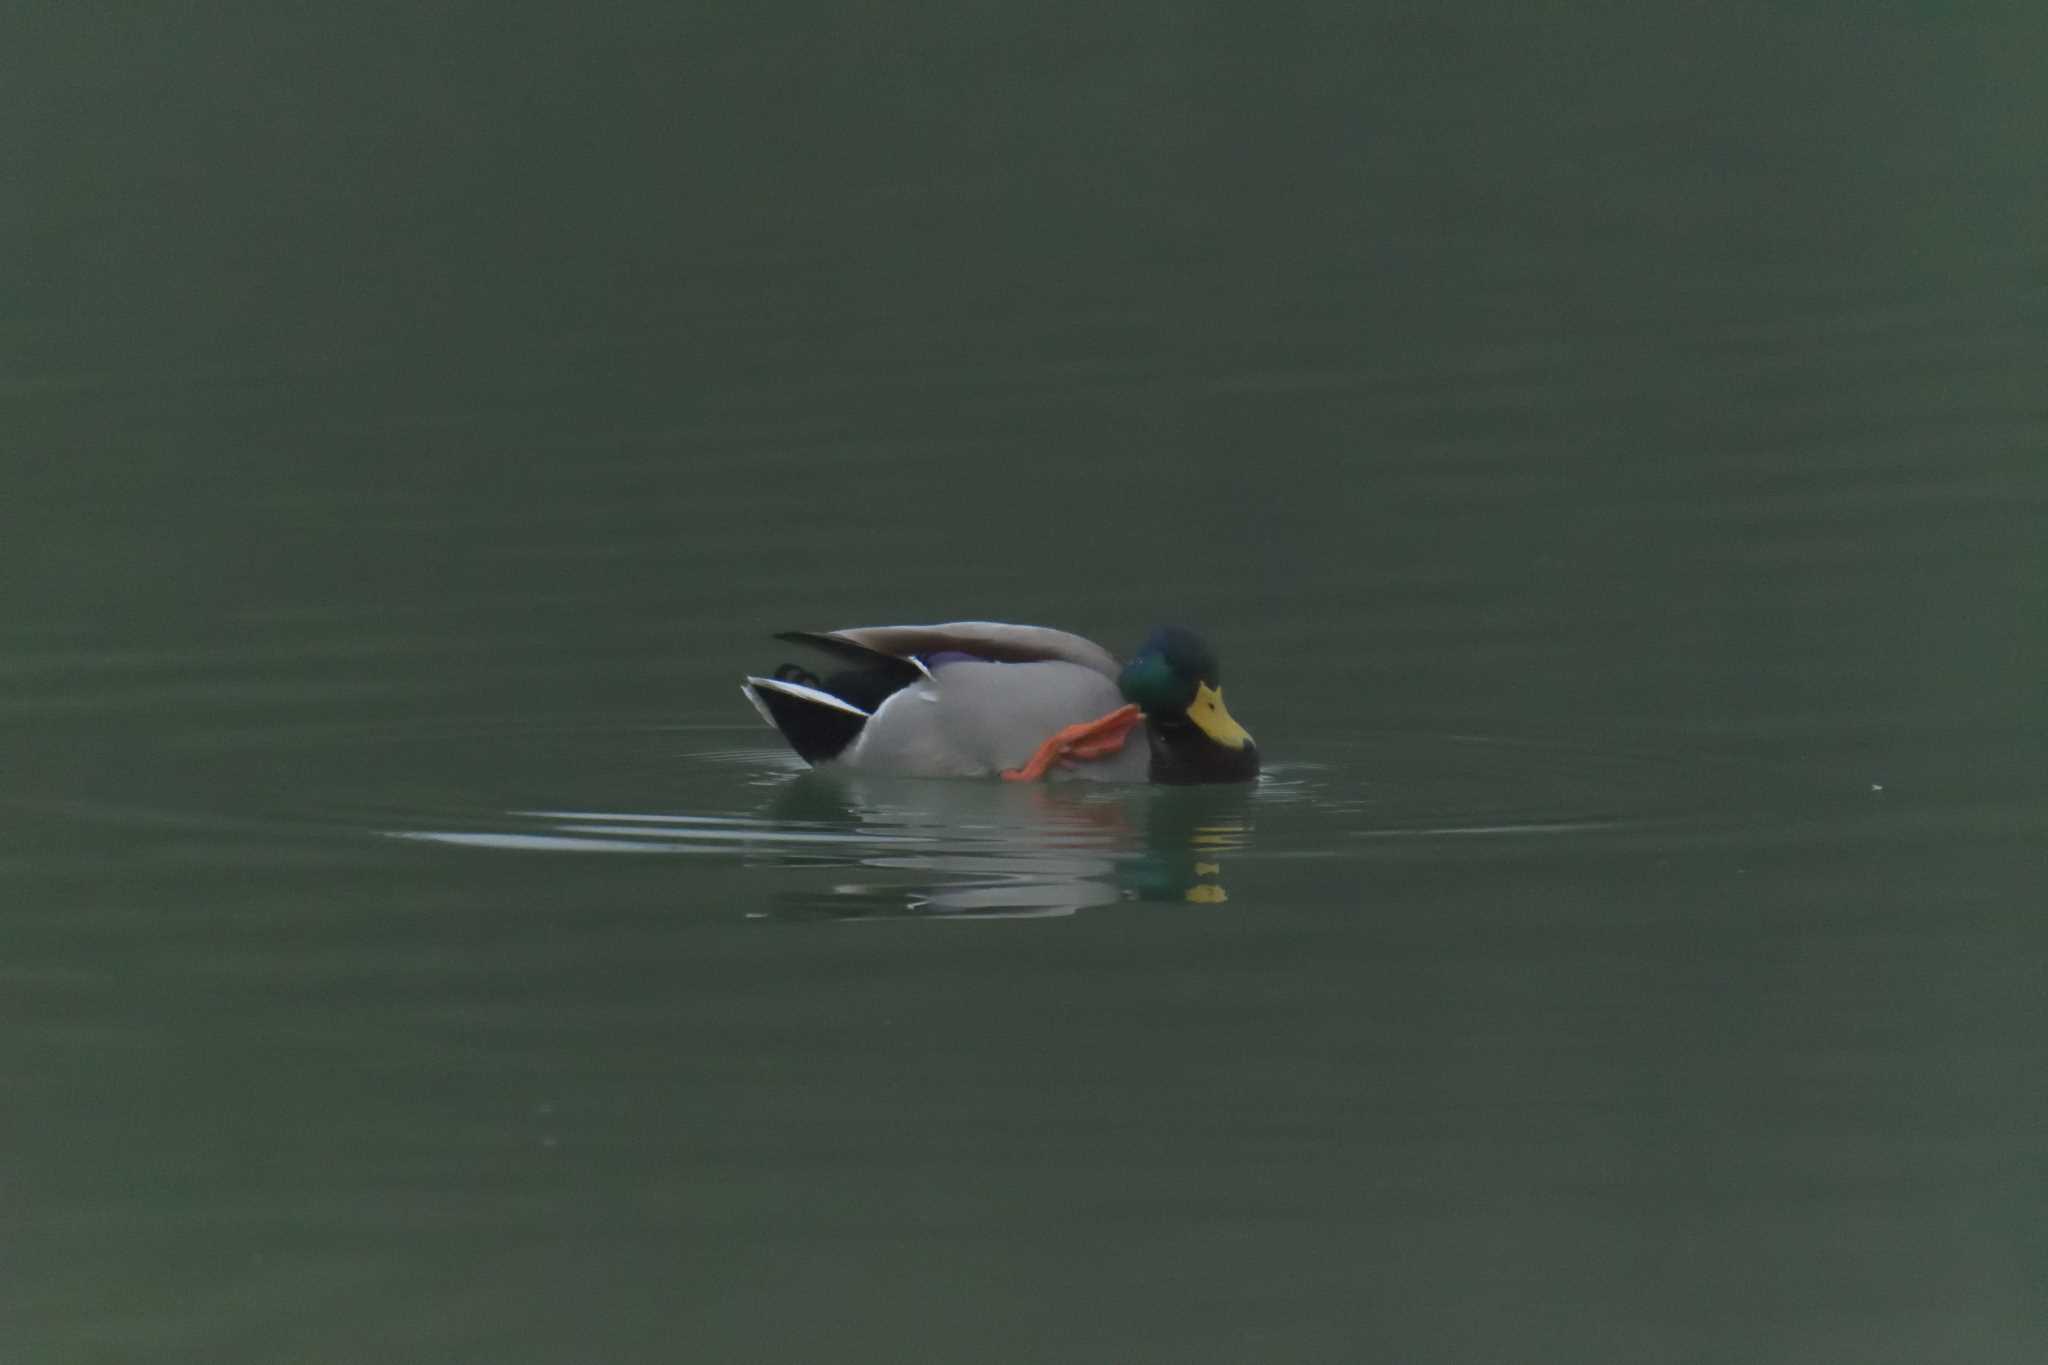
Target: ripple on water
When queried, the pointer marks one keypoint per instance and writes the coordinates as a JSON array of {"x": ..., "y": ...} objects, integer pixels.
[{"x": 840, "y": 847}]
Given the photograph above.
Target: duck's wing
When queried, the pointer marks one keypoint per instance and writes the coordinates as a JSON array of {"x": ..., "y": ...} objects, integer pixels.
[
  {"x": 979, "y": 719},
  {"x": 897, "y": 670},
  {"x": 963, "y": 698},
  {"x": 997, "y": 641}
]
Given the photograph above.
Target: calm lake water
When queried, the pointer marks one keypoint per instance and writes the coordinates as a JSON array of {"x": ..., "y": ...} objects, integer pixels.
[{"x": 1607, "y": 454}]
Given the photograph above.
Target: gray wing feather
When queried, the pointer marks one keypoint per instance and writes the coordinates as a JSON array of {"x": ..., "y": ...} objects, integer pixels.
[
  {"x": 985, "y": 639},
  {"x": 977, "y": 719}
]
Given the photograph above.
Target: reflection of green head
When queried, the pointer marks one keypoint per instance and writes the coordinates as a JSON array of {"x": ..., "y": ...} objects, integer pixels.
[{"x": 1190, "y": 835}]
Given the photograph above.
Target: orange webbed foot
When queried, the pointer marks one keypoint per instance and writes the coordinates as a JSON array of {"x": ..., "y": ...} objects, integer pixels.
[{"x": 1096, "y": 738}]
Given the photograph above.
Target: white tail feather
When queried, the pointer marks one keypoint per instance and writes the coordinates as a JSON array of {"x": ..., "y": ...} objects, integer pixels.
[{"x": 798, "y": 690}]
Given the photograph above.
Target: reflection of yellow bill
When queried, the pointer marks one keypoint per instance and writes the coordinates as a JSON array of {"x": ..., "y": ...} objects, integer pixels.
[
  {"x": 1207, "y": 869},
  {"x": 1207, "y": 894}
]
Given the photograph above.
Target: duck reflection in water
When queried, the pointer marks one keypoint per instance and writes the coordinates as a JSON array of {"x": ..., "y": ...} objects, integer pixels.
[{"x": 989, "y": 851}]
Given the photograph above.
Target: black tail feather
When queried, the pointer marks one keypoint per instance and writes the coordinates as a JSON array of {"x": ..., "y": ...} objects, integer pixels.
[
  {"x": 869, "y": 677},
  {"x": 815, "y": 727}
]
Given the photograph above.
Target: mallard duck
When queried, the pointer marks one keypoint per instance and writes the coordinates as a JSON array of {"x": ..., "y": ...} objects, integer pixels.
[{"x": 981, "y": 698}]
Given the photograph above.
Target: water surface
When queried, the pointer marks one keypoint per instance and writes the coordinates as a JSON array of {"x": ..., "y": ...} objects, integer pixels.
[{"x": 1605, "y": 451}]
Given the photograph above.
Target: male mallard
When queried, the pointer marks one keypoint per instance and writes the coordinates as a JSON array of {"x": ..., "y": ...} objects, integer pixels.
[{"x": 978, "y": 698}]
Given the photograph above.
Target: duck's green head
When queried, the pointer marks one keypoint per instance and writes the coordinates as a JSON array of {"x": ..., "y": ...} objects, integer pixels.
[{"x": 1175, "y": 680}]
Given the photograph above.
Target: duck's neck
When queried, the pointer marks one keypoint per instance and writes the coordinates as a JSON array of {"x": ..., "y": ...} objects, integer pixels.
[{"x": 1182, "y": 755}]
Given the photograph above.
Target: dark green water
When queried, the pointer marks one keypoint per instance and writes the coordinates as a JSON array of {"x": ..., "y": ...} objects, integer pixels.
[{"x": 1608, "y": 453}]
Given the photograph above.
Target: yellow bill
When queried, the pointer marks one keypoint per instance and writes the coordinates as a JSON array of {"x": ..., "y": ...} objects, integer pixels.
[{"x": 1208, "y": 712}]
